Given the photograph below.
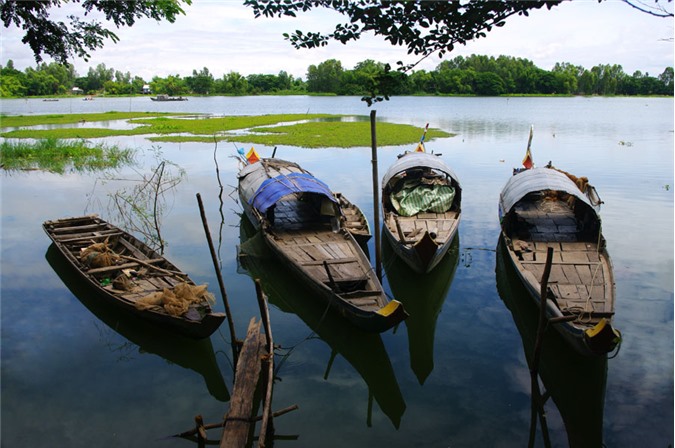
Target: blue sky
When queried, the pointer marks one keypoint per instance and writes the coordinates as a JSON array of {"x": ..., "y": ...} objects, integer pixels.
[{"x": 224, "y": 36}]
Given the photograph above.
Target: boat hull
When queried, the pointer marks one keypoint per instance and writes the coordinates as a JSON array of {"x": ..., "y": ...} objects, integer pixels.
[
  {"x": 575, "y": 333},
  {"x": 421, "y": 203},
  {"x": 200, "y": 324},
  {"x": 545, "y": 208},
  {"x": 425, "y": 254}
]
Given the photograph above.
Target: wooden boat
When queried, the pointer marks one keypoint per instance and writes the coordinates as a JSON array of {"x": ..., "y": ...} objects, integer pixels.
[
  {"x": 132, "y": 276},
  {"x": 305, "y": 225},
  {"x": 541, "y": 208},
  {"x": 421, "y": 203}
]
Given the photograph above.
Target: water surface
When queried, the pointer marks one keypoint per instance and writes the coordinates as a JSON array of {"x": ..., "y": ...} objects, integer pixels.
[{"x": 453, "y": 375}]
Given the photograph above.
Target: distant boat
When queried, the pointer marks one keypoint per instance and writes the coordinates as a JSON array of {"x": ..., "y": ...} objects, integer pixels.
[
  {"x": 164, "y": 97},
  {"x": 50, "y": 99},
  {"x": 421, "y": 203},
  {"x": 302, "y": 221}
]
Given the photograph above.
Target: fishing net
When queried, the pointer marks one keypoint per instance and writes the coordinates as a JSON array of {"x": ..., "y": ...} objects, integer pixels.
[
  {"x": 176, "y": 301},
  {"x": 98, "y": 255}
]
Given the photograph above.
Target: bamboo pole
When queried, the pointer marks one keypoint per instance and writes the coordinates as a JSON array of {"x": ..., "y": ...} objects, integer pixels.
[
  {"x": 233, "y": 337},
  {"x": 537, "y": 400},
  {"x": 376, "y": 196}
]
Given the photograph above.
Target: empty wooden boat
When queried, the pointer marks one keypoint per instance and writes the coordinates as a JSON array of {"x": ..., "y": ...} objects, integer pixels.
[
  {"x": 304, "y": 224},
  {"x": 545, "y": 207},
  {"x": 421, "y": 203},
  {"x": 132, "y": 276}
]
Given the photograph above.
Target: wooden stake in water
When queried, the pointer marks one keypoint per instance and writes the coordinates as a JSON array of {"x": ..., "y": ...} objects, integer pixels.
[
  {"x": 233, "y": 337},
  {"x": 376, "y": 196}
]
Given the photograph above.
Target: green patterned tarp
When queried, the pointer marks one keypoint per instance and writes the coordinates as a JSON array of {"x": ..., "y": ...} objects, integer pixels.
[{"x": 414, "y": 198}]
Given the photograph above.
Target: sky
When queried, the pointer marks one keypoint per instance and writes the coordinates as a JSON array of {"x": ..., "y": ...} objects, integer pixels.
[{"x": 224, "y": 36}]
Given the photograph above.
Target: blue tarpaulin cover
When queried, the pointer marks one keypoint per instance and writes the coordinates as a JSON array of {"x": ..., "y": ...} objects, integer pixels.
[{"x": 271, "y": 190}]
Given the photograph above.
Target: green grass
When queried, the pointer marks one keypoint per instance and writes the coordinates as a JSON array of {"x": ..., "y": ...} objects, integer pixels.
[
  {"x": 337, "y": 134},
  {"x": 214, "y": 125},
  {"x": 58, "y": 156},
  {"x": 302, "y": 130}
]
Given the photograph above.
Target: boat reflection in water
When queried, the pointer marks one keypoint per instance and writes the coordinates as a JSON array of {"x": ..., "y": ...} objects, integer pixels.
[
  {"x": 423, "y": 296},
  {"x": 365, "y": 352},
  {"x": 576, "y": 383},
  {"x": 196, "y": 355}
]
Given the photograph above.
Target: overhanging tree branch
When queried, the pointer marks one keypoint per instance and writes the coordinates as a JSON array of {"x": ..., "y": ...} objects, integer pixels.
[{"x": 62, "y": 41}]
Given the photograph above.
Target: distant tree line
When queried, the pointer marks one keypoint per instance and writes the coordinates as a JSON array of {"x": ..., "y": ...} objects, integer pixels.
[{"x": 472, "y": 75}]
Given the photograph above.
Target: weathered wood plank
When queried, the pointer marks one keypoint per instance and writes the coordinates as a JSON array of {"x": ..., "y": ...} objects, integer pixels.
[
  {"x": 332, "y": 262},
  {"x": 89, "y": 227},
  {"x": 237, "y": 419},
  {"x": 575, "y": 256},
  {"x": 571, "y": 273},
  {"x": 72, "y": 238},
  {"x": 117, "y": 267}
]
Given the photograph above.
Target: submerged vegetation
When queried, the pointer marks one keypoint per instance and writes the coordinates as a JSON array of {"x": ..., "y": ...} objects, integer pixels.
[
  {"x": 59, "y": 156},
  {"x": 302, "y": 130},
  {"x": 11, "y": 121}
]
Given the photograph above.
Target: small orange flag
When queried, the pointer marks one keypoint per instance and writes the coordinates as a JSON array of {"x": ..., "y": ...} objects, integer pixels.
[
  {"x": 252, "y": 156},
  {"x": 420, "y": 147}
]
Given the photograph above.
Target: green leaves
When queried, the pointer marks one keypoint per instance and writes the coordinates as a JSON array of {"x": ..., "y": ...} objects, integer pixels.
[{"x": 63, "y": 41}]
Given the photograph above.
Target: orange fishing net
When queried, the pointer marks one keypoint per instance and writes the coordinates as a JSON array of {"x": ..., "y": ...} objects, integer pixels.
[{"x": 176, "y": 301}]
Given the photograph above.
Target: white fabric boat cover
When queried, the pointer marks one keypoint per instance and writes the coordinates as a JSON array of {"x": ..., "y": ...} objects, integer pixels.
[
  {"x": 537, "y": 179},
  {"x": 417, "y": 159}
]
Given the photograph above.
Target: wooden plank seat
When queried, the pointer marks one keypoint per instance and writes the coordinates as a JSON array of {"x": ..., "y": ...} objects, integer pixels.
[
  {"x": 118, "y": 267},
  {"x": 72, "y": 238}
]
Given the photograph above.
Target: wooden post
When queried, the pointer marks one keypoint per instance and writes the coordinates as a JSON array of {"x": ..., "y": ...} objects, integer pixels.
[
  {"x": 537, "y": 401},
  {"x": 267, "y": 425},
  {"x": 376, "y": 196},
  {"x": 233, "y": 337},
  {"x": 238, "y": 419},
  {"x": 200, "y": 430}
]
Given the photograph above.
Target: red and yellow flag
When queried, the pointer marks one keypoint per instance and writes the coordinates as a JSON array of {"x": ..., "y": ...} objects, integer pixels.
[
  {"x": 527, "y": 161},
  {"x": 252, "y": 156},
  {"x": 420, "y": 147}
]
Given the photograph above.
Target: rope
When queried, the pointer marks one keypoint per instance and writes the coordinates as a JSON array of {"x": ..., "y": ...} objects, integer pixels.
[{"x": 589, "y": 309}]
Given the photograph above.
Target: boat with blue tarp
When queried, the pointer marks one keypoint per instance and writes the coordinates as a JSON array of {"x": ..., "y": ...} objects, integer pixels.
[{"x": 305, "y": 224}]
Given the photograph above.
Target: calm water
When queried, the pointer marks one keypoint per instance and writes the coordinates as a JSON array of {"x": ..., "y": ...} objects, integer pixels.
[{"x": 453, "y": 375}]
